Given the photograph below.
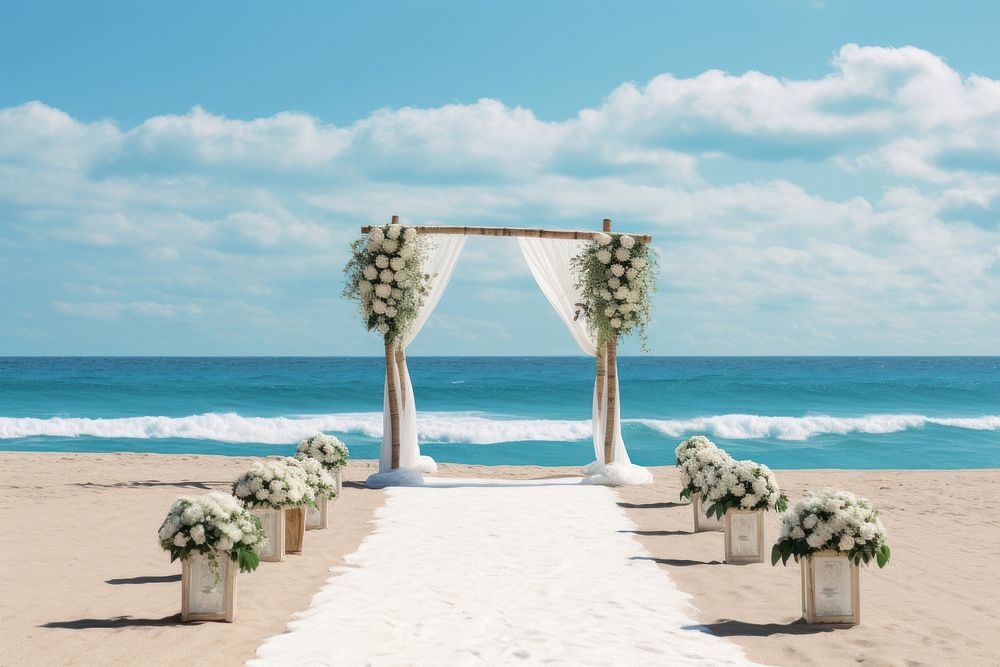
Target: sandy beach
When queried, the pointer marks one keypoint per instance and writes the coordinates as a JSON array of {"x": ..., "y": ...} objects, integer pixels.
[{"x": 86, "y": 582}]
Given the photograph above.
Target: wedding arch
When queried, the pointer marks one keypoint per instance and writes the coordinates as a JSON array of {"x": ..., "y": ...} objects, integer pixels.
[{"x": 398, "y": 279}]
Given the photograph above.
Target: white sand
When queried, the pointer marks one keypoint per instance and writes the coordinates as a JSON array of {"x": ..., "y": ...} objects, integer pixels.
[{"x": 498, "y": 571}]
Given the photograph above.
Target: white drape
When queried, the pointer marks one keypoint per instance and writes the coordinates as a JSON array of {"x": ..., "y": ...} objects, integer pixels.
[
  {"x": 550, "y": 264},
  {"x": 443, "y": 256}
]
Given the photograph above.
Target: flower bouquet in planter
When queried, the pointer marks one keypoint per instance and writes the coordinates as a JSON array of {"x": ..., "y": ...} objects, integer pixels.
[
  {"x": 329, "y": 451},
  {"x": 740, "y": 495},
  {"x": 324, "y": 488},
  {"x": 197, "y": 531},
  {"x": 268, "y": 488},
  {"x": 831, "y": 533},
  {"x": 701, "y": 463}
]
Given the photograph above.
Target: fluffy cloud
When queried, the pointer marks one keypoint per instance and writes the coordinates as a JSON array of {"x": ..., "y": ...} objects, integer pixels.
[{"x": 245, "y": 222}]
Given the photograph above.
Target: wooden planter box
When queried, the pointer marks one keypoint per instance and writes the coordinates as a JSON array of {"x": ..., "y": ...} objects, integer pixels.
[
  {"x": 744, "y": 536},
  {"x": 703, "y": 523},
  {"x": 831, "y": 591},
  {"x": 295, "y": 529},
  {"x": 316, "y": 517},
  {"x": 273, "y": 523},
  {"x": 203, "y": 598}
]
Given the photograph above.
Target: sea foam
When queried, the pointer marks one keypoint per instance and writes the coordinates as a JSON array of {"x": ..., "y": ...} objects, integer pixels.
[
  {"x": 472, "y": 428},
  {"x": 230, "y": 427},
  {"x": 738, "y": 426}
]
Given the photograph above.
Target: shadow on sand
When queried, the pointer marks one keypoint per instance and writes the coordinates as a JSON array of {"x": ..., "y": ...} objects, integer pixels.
[
  {"x": 139, "y": 484},
  {"x": 114, "y": 622},
  {"x": 655, "y": 533},
  {"x": 731, "y": 628},
  {"x": 650, "y": 506},
  {"x": 165, "y": 579},
  {"x": 677, "y": 562}
]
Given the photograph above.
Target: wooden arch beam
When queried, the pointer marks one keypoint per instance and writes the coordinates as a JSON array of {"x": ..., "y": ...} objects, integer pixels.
[{"x": 580, "y": 235}]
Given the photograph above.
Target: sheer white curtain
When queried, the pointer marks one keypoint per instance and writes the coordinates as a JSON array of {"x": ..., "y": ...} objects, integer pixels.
[
  {"x": 440, "y": 263},
  {"x": 549, "y": 261}
]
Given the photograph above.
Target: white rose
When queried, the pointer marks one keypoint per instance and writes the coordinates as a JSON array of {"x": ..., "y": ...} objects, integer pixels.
[
  {"x": 609, "y": 311},
  {"x": 633, "y": 296},
  {"x": 382, "y": 262},
  {"x": 224, "y": 544},
  {"x": 810, "y": 521},
  {"x": 622, "y": 293},
  {"x": 616, "y": 323},
  {"x": 180, "y": 540},
  {"x": 390, "y": 245},
  {"x": 376, "y": 235},
  {"x": 815, "y": 540},
  {"x": 378, "y": 307},
  {"x": 383, "y": 291},
  {"x": 602, "y": 239},
  {"x": 390, "y": 312},
  {"x": 383, "y": 328},
  {"x": 409, "y": 233},
  {"x": 846, "y": 543},
  {"x": 370, "y": 272},
  {"x": 798, "y": 533},
  {"x": 364, "y": 287},
  {"x": 606, "y": 295},
  {"x": 386, "y": 276},
  {"x": 622, "y": 255},
  {"x": 626, "y": 241},
  {"x": 603, "y": 256},
  {"x": 394, "y": 231},
  {"x": 396, "y": 292},
  {"x": 402, "y": 278},
  {"x": 198, "y": 534},
  {"x": 631, "y": 274},
  {"x": 614, "y": 283},
  {"x": 397, "y": 263},
  {"x": 639, "y": 262},
  {"x": 407, "y": 252},
  {"x": 618, "y": 270}
]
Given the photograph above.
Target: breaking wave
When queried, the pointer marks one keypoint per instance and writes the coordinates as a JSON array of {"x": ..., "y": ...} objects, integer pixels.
[
  {"x": 230, "y": 427},
  {"x": 472, "y": 428},
  {"x": 737, "y": 426}
]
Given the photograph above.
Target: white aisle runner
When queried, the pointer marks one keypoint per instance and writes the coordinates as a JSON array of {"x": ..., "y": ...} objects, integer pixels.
[{"x": 491, "y": 571}]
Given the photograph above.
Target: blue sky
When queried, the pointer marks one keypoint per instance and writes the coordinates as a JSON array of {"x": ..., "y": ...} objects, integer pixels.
[{"x": 183, "y": 178}]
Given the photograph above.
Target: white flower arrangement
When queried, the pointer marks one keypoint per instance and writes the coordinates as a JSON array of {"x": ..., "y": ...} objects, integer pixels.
[
  {"x": 702, "y": 468},
  {"x": 832, "y": 520},
  {"x": 273, "y": 484},
  {"x": 385, "y": 276},
  {"x": 617, "y": 275},
  {"x": 212, "y": 524},
  {"x": 743, "y": 485},
  {"x": 688, "y": 448},
  {"x": 326, "y": 449},
  {"x": 317, "y": 477}
]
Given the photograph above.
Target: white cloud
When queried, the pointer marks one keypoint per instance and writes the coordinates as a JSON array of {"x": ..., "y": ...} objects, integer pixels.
[
  {"x": 211, "y": 212},
  {"x": 110, "y": 310}
]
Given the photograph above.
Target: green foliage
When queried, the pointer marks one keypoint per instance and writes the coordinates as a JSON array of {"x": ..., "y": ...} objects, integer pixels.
[
  {"x": 616, "y": 274},
  {"x": 385, "y": 277}
]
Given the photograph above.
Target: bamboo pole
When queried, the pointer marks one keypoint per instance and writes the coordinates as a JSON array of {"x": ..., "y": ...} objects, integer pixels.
[
  {"x": 611, "y": 373},
  {"x": 403, "y": 373},
  {"x": 390, "y": 380},
  {"x": 510, "y": 232},
  {"x": 390, "y": 383}
]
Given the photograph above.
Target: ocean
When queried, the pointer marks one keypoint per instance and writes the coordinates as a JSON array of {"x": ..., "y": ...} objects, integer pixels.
[{"x": 786, "y": 412}]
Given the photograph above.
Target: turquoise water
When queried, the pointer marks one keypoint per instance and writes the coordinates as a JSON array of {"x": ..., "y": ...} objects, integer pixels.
[{"x": 795, "y": 412}]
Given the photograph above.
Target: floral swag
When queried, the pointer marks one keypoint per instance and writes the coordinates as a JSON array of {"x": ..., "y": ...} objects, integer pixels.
[{"x": 616, "y": 274}]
